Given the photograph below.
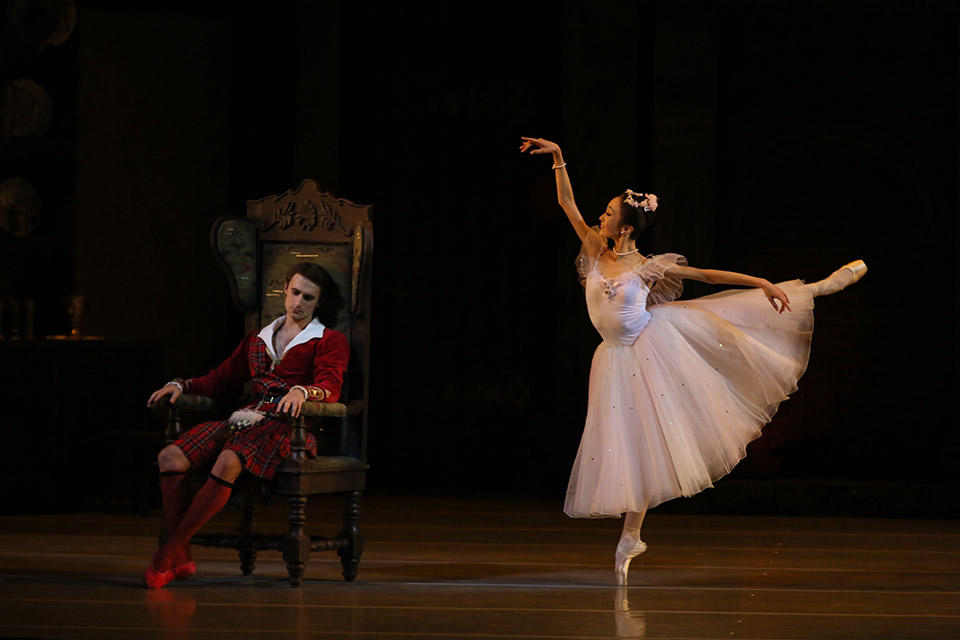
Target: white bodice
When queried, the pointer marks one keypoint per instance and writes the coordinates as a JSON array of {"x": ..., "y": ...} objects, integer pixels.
[{"x": 617, "y": 306}]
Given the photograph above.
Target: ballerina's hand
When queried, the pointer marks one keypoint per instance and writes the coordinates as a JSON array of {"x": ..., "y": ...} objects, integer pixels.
[
  {"x": 773, "y": 293},
  {"x": 538, "y": 145}
]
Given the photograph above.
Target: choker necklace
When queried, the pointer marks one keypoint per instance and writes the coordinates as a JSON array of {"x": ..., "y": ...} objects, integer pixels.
[{"x": 625, "y": 254}]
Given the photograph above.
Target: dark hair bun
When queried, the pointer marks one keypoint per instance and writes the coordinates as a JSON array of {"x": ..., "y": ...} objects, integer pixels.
[{"x": 635, "y": 214}]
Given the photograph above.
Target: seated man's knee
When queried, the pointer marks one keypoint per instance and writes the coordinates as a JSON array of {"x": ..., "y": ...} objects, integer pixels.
[
  {"x": 171, "y": 458},
  {"x": 228, "y": 466}
]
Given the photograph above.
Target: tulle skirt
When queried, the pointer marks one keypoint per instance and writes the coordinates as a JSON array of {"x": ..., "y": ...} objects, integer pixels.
[{"x": 673, "y": 412}]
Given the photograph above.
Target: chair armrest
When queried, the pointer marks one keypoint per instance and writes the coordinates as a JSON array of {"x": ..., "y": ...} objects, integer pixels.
[
  {"x": 331, "y": 409},
  {"x": 323, "y": 410},
  {"x": 203, "y": 403},
  {"x": 189, "y": 402}
]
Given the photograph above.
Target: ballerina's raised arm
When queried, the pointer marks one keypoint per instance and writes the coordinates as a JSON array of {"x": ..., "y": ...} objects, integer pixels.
[
  {"x": 616, "y": 227},
  {"x": 564, "y": 191}
]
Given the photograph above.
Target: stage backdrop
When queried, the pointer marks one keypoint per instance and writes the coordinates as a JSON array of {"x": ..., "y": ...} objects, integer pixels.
[{"x": 785, "y": 139}]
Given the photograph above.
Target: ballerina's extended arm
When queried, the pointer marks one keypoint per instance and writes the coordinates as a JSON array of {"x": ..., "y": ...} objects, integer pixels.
[
  {"x": 564, "y": 190},
  {"x": 715, "y": 276}
]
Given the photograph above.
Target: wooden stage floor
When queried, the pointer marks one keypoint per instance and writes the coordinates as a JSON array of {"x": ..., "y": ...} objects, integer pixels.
[{"x": 442, "y": 568}]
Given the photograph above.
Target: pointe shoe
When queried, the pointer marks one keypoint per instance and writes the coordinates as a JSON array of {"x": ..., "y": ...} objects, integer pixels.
[
  {"x": 858, "y": 267},
  {"x": 840, "y": 279},
  {"x": 628, "y": 549}
]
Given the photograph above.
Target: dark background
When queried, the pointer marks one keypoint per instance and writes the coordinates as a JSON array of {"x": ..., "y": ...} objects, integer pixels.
[{"x": 784, "y": 138}]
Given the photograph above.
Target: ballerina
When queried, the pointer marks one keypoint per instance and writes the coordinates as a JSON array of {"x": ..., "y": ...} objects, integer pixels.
[{"x": 677, "y": 388}]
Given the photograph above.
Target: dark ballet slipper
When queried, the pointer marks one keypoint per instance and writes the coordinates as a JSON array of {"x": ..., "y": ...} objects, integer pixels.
[
  {"x": 167, "y": 565},
  {"x": 153, "y": 579},
  {"x": 185, "y": 570}
]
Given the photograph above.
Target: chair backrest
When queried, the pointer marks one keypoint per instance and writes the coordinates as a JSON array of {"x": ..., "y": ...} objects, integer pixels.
[{"x": 303, "y": 224}]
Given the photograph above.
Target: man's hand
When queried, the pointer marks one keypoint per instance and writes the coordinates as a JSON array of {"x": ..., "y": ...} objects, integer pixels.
[
  {"x": 291, "y": 403},
  {"x": 168, "y": 389}
]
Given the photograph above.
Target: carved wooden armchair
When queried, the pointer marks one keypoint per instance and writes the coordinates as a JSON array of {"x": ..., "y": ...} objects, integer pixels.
[{"x": 255, "y": 252}]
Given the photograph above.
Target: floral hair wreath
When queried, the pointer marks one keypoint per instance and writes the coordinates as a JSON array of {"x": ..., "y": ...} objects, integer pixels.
[{"x": 640, "y": 200}]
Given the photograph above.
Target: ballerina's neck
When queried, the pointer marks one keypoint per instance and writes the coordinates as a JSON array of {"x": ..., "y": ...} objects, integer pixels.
[{"x": 624, "y": 247}]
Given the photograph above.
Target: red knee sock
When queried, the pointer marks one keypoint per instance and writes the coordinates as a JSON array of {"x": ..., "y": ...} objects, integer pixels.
[
  {"x": 176, "y": 500},
  {"x": 207, "y": 503}
]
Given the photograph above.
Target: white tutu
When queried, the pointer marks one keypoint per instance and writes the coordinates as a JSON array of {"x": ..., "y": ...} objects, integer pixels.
[{"x": 678, "y": 390}]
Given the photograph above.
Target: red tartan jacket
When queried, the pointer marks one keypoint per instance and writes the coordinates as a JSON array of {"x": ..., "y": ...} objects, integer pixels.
[{"x": 316, "y": 358}]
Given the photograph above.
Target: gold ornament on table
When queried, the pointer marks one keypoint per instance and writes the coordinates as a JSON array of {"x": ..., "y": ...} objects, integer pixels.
[
  {"x": 76, "y": 312},
  {"x": 76, "y": 315}
]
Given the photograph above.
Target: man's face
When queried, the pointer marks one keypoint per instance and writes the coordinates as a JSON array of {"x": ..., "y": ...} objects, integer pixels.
[{"x": 302, "y": 296}]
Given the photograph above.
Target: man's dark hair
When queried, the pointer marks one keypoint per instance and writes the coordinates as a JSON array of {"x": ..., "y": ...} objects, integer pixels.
[{"x": 331, "y": 301}]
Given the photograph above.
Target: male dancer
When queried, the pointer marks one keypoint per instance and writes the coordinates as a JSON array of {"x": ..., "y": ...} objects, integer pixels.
[{"x": 296, "y": 358}]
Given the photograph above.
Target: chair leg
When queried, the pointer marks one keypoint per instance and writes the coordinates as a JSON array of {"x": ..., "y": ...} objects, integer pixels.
[
  {"x": 350, "y": 554},
  {"x": 248, "y": 553},
  {"x": 296, "y": 546}
]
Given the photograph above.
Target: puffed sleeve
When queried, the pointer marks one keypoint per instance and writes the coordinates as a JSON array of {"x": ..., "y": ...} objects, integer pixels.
[
  {"x": 228, "y": 376},
  {"x": 593, "y": 245},
  {"x": 663, "y": 287},
  {"x": 330, "y": 360}
]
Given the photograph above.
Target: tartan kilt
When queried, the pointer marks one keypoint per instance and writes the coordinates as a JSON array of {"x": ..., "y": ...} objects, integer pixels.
[{"x": 261, "y": 447}]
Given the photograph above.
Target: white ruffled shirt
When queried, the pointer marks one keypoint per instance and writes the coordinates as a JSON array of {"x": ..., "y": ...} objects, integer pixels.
[{"x": 313, "y": 330}]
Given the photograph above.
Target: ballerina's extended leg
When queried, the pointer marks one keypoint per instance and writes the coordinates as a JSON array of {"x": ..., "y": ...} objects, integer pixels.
[
  {"x": 839, "y": 279},
  {"x": 630, "y": 545}
]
